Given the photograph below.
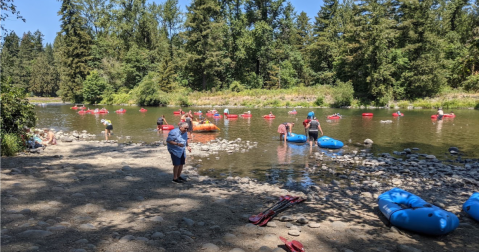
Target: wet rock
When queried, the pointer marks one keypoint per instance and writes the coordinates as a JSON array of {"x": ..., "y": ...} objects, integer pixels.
[
  {"x": 32, "y": 234},
  {"x": 368, "y": 141},
  {"x": 430, "y": 157},
  {"x": 210, "y": 247}
]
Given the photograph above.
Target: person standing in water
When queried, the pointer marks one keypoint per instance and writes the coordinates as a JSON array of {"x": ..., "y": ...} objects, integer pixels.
[
  {"x": 108, "y": 129},
  {"x": 160, "y": 122},
  {"x": 313, "y": 127}
]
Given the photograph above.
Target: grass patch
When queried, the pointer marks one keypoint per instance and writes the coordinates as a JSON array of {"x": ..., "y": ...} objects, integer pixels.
[{"x": 11, "y": 144}]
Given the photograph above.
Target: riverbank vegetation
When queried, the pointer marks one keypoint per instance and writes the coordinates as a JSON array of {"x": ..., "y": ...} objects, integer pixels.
[{"x": 121, "y": 51}]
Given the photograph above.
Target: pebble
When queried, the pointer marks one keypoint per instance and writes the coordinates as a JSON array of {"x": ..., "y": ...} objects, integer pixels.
[
  {"x": 87, "y": 226},
  {"x": 35, "y": 234},
  {"x": 303, "y": 220},
  {"x": 294, "y": 232},
  {"x": 139, "y": 238},
  {"x": 313, "y": 225},
  {"x": 236, "y": 250},
  {"x": 210, "y": 247},
  {"x": 126, "y": 238},
  {"x": 158, "y": 235},
  {"x": 264, "y": 249},
  {"x": 271, "y": 224},
  {"x": 82, "y": 241},
  {"x": 286, "y": 218},
  {"x": 405, "y": 248},
  {"x": 189, "y": 222},
  {"x": 78, "y": 250},
  {"x": 156, "y": 219},
  {"x": 229, "y": 237},
  {"x": 270, "y": 237}
]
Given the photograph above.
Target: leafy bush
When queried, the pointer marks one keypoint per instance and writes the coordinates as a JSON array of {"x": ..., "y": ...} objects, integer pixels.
[
  {"x": 11, "y": 144},
  {"x": 403, "y": 104},
  {"x": 343, "y": 93},
  {"x": 236, "y": 86},
  {"x": 147, "y": 93},
  {"x": 472, "y": 83},
  {"x": 319, "y": 101},
  {"x": 183, "y": 101},
  {"x": 17, "y": 113},
  {"x": 93, "y": 87},
  {"x": 477, "y": 106}
]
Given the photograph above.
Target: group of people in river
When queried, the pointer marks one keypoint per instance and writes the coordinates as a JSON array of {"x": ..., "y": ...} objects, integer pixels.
[
  {"x": 312, "y": 127},
  {"x": 440, "y": 114}
]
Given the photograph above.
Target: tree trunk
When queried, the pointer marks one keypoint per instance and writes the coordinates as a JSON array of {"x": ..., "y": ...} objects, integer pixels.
[{"x": 204, "y": 81}]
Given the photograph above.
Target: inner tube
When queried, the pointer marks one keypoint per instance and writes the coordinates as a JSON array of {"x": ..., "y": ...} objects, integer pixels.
[
  {"x": 101, "y": 112},
  {"x": 334, "y": 117},
  {"x": 246, "y": 115},
  {"x": 296, "y": 138},
  {"x": 450, "y": 116},
  {"x": 396, "y": 114},
  {"x": 143, "y": 110},
  {"x": 121, "y": 111},
  {"x": 82, "y": 108},
  {"x": 167, "y": 127},
  {"x": 329, "y": 143},
  {"x": 178, "y": 112},
  {"x": 197, "y": 113},
  {"x": 74, "y": 108},
  {"x": 367, "y": 114},
  {"x": 232, "y": 116},
  {"x": 206, "y": 127},
  {"x": 292, "y": 112},
  {"x": 471, "y": 206},
  {"x": 217, "y": 116},
  {"x": 268, "y": 116},
  {"x": 82, "y": 112},
  {"x": 408, "y": 211},
  {"x": 210, "y": 114}
]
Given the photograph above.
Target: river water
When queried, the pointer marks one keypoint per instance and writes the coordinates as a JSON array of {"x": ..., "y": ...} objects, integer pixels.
[{"x": 274, "y": 160}]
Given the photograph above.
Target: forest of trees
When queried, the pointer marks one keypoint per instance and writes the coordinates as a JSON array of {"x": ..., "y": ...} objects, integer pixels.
[{"x": 385, "y": 50}]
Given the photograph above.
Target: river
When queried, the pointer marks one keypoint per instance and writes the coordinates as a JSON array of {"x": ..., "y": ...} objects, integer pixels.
[{"x": 273, "y": 160}]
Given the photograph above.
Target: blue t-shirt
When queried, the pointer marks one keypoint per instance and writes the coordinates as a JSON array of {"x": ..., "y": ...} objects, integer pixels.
[{"x": 176, "y": 136}]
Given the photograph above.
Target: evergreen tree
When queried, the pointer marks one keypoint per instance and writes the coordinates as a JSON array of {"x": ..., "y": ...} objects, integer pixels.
[{"x": 75, "y": 51}]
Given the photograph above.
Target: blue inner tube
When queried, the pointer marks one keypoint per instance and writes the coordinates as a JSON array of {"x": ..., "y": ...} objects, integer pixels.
[
  {"x": 296, "y": 138},
  {"x": 471, "y": 206},
  {"x": 408, "y": 211},
  {"x": 330, "y": 143}
]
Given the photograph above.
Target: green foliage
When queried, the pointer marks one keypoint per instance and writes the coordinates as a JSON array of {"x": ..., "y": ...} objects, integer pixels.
[
  {"x": 183, "y": 101},
  {"x": 11, "y": 144},
  {"x": 319, "y": 101},
  {"x": 403, "y": 104},
  {"x": 17, "y": 113},
  {"x": 147, "y": 93},
  {"x": 343, "y": 93},
  {"x": 477, "y": 106},
  {"x": 236, "y": 86},
  {"x": 472, "y": 83},
  {"x": 93, "y": 88}
]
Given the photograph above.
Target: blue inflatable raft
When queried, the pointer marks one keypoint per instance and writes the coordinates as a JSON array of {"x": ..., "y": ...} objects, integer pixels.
[
  {"x": 471, "y": 206},
  {"x": 295, "y": 138},
  {"x": 330, "y": 143},
  {"x": 408, "y": 211}
]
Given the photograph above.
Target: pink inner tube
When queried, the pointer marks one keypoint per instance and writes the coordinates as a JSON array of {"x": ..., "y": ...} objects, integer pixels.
[
  {"x": 367, "y": 114},
  {"x": 82, "y": 112},
  {"x": 232, "y": 116},
  {"x": 396, "y": 114},
  {"x": 198, "y": 113},
  {"x": 101, "y": 112},
  {"x": 268, "y": 116},
  {"x": 82, "y": 108},
  {"x": 451, "y": 116},
  {"x": 120, "y": 112},
  {"x": 293, "y": 112},
  {"x": 143, "y": 110},
  {"x": 209, "y": 114},
  {"x": 178, "y": 112},
  {"x": 246, "y": 115},
  {"x": 167, "y": 127},
  {"x": 334, "y": 117}
]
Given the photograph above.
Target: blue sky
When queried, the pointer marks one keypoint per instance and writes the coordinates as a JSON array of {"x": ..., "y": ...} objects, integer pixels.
[{"x": 42, "y": 15}]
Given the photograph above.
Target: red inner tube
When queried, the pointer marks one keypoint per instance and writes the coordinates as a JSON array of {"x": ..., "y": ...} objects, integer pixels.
[
  {"x": 246, "y": 115},
  {"x": 123, "y": 111},
  {"x": 292, "y": 112},
  {"x": 232, "y": 116},
  {"x": 334, "y": 117},
  {"x": 268, "y": 116},
  {"x": 167, "y": 127},
  {"x": 143, "y": 110},
  {"x": 367, "y": 114},
  {"x": 396, "y": 114}
]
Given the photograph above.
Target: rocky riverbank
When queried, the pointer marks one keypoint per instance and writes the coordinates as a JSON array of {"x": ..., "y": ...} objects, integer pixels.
[{"x": 94, "y": 195}]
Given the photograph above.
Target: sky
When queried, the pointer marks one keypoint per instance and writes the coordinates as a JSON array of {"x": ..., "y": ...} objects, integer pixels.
[{"x": 42, "y": 15}]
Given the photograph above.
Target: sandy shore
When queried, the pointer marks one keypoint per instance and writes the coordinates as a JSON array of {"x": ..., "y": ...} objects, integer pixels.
[{"x": 96, "y": 196}]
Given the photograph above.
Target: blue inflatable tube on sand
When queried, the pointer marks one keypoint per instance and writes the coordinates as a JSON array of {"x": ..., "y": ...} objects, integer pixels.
[
  {"x": 408, "y": 211},
  {"x": 295, "y": 138},
  {"x": 471, "y": 206},
  {"x": 330, "y": 143}
]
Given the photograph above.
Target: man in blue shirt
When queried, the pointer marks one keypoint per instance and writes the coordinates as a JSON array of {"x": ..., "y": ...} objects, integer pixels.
[{"x": 176, "y": 142}]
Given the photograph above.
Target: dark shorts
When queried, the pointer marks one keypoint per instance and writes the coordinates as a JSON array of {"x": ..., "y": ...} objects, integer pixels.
[
  {"x": 109, "y": 127},
  {"x": 439, "y": 117},
  {"x": 176, "y": 160},
  {"x": 157, "y": 123},
  {"x": 313, "y": 136}
]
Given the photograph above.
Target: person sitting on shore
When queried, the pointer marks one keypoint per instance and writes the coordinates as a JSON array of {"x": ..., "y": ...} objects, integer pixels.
[
  {"x": 36, "y": 140},
  {"x": 50, "y": 139}
]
